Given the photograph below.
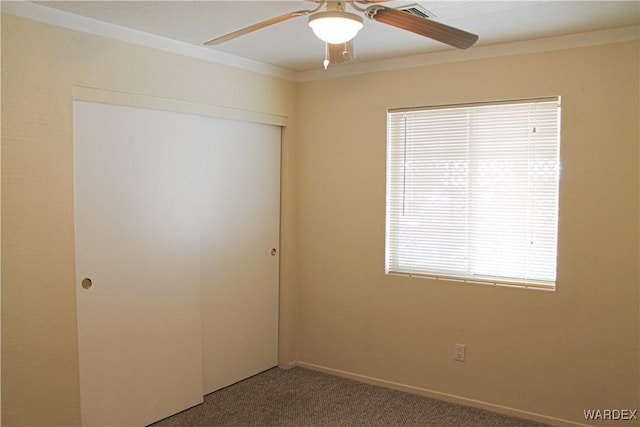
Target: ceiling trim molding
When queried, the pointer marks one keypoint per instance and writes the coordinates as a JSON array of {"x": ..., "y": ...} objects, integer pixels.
[
  {"x": 615, "y": 35},
  {"x": 72, "y": 21},
  {"x": 88, "y": 25}
]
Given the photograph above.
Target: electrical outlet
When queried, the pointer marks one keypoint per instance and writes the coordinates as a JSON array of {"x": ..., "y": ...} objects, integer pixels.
[{"x": 460, "y": 352}]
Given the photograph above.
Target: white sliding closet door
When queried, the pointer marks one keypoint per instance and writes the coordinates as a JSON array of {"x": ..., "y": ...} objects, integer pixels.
[
  {"x": 137, "y": 238},
  {"x": 240, "y": 227},
  {"x": 177, "y": 225}
]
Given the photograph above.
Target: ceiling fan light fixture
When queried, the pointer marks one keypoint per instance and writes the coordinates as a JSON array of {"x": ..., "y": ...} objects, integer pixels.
[{"x": 335, "y": 26}]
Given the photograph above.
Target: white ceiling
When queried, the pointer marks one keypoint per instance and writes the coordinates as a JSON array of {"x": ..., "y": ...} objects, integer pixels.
[{"x": 293, "y": 46}]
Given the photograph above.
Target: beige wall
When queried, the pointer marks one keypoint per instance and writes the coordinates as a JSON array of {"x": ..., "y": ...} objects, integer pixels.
[
  {"x": 0, "y": 223},
  {"x": 41, "y": 64},
  {"x": 547, "y": 353}
]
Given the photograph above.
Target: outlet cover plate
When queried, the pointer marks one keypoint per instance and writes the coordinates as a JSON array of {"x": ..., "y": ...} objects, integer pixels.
[{"x": 460, "y": 350}]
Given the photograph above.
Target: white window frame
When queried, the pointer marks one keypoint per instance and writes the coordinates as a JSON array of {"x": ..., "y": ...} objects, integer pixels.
[{"x": 447, "y": 164}]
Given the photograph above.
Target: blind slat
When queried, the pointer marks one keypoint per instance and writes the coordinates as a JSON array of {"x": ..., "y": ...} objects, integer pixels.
[{"x": 473, "y": 191}]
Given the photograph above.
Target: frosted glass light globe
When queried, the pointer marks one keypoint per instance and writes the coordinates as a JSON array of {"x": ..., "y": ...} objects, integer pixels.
[{"x": 335, "y": 26}]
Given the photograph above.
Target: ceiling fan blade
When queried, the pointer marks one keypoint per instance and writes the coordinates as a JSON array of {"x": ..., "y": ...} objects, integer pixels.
[
  {"x": 422, "y": 26},
  {"x": 341, "y": 53},
  {"x": 258, "y": 26}
]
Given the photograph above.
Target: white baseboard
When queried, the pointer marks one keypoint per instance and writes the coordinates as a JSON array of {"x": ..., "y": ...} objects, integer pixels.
[
  {"x": 289, "y": 365},
  {"x": 437, "y": 395}
]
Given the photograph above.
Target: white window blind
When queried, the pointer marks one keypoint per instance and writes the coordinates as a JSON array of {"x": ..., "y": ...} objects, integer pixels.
[{"x": 472, "y": 192}]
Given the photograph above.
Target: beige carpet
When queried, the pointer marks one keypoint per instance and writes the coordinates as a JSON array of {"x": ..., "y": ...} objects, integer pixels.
[{"x": 301, "y": 397}]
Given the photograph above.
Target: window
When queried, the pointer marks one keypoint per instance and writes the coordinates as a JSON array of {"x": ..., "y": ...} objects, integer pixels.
[{"x": 472, "y": 192}]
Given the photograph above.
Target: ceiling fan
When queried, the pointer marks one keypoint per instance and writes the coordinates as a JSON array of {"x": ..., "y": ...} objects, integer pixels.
[{"x": 337, "y": 27}]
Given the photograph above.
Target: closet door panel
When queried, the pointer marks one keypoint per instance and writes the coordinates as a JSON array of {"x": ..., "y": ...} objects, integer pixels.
[
  {"x": 239, "y": 232},
  {"x": 137, "y": 239}
]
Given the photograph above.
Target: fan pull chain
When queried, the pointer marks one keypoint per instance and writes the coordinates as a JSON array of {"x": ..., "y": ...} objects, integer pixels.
[{"x": 326, "y": 56}]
